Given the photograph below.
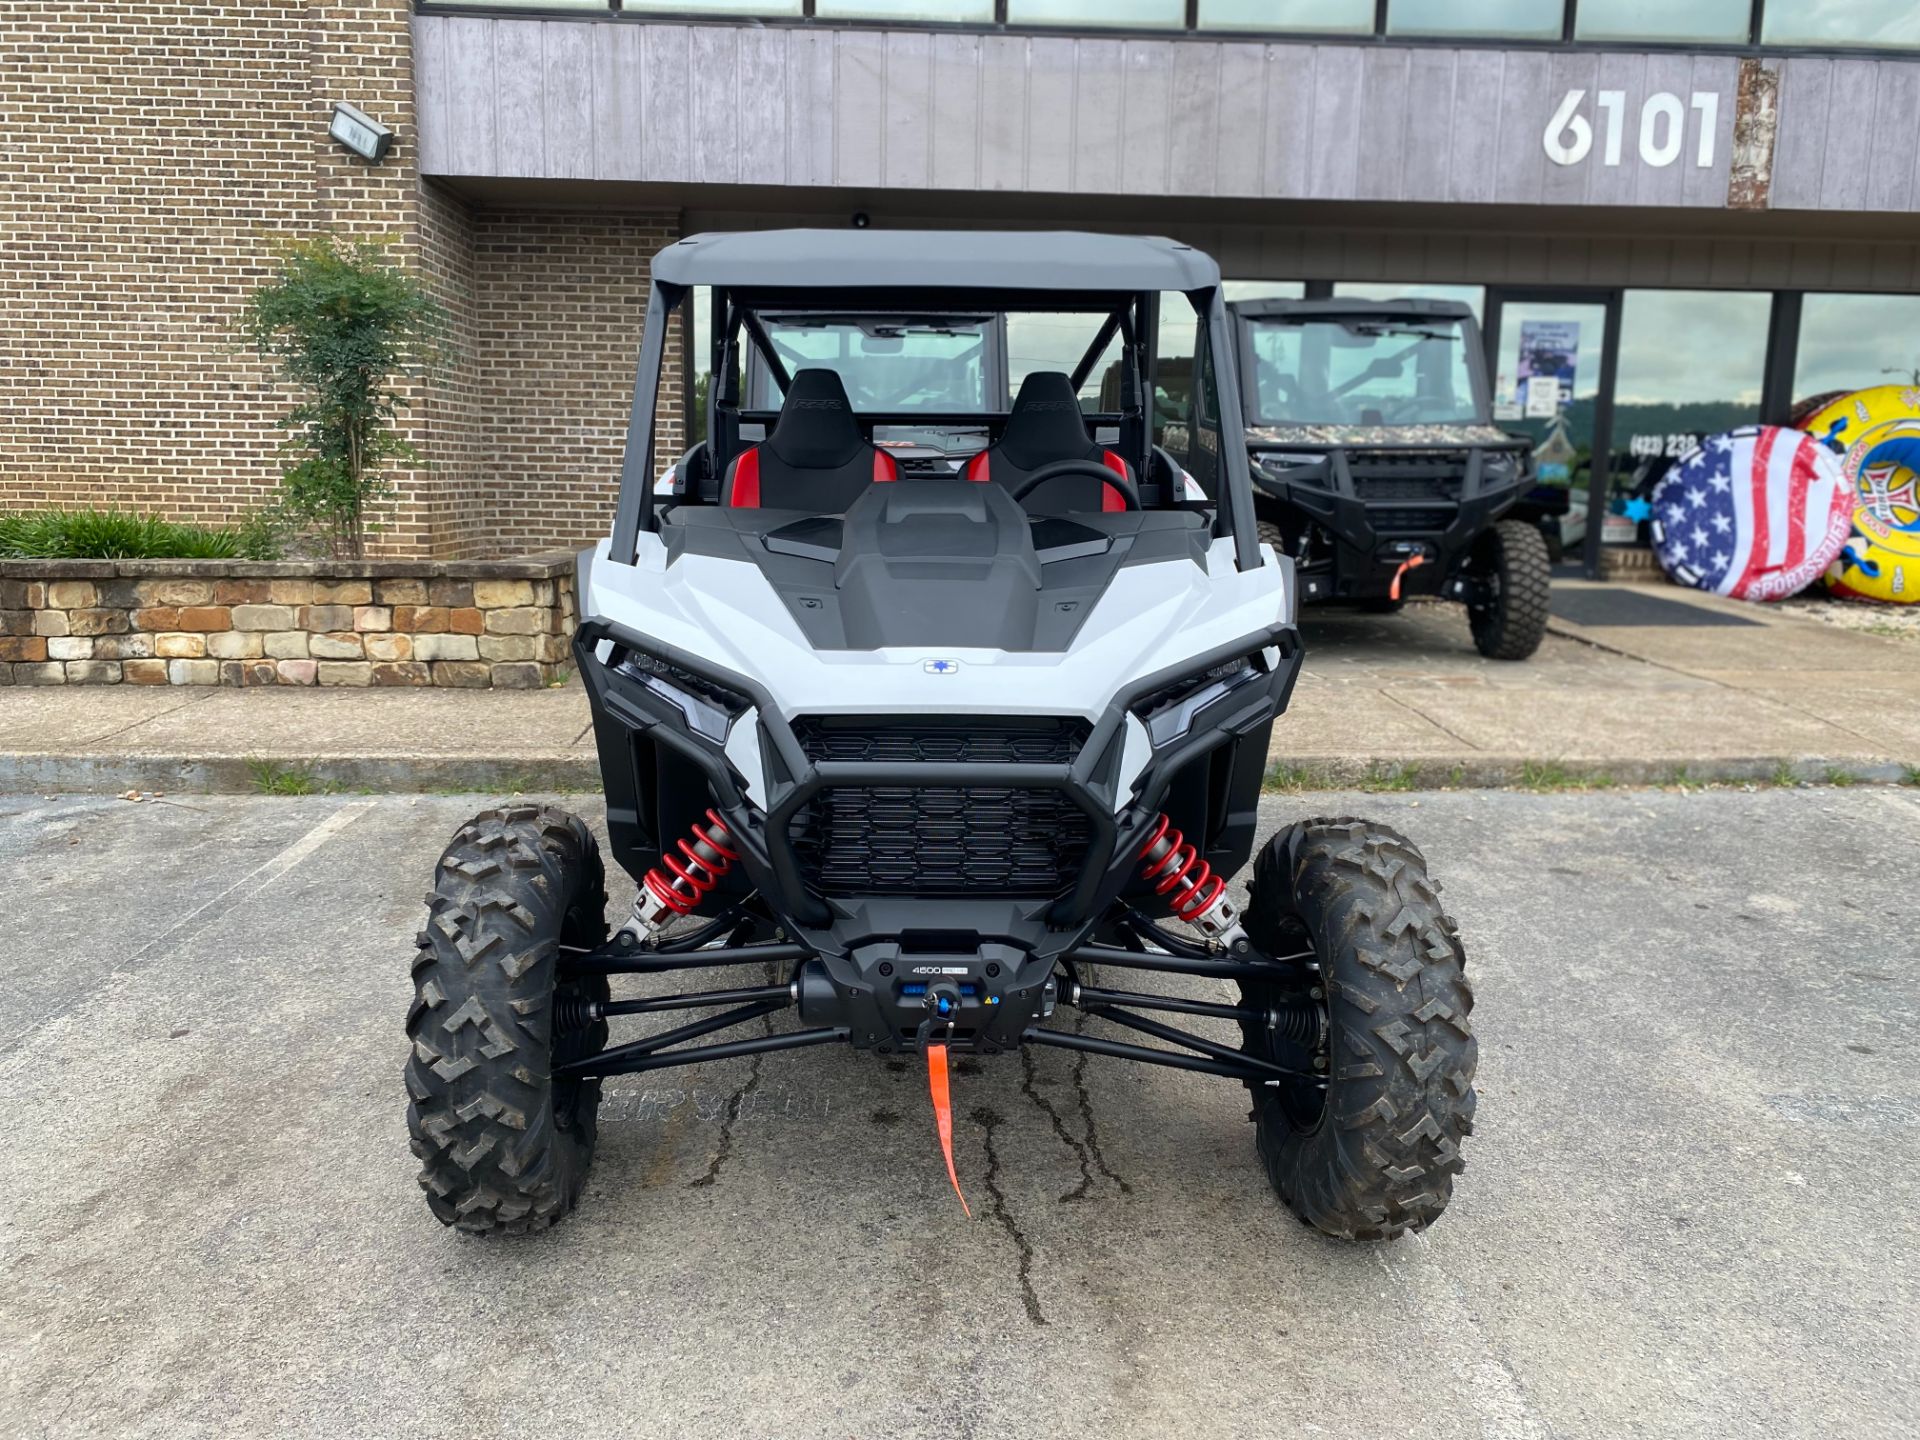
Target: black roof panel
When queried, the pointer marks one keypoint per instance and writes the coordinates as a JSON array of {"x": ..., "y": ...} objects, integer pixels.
[{"x": 934, "y": 259}]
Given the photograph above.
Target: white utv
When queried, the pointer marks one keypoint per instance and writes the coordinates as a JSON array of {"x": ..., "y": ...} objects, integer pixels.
[{"x": 931, "y": 735}]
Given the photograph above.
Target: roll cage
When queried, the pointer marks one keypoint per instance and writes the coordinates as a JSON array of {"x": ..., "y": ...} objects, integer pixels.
[{"x": 1119, "y": 278}]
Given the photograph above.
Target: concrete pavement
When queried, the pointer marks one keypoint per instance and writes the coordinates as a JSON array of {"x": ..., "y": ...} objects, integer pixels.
[
  {"x": 1689, "y": 1209},
  {"x": 1405, "y": 694}
]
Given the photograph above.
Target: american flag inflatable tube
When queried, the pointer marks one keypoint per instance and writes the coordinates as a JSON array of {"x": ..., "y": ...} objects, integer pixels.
[{"x": 1758, "y": 513}]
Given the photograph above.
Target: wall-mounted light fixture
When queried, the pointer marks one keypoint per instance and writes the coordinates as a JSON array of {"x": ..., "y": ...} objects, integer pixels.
[{"x": 360, "y": 132}]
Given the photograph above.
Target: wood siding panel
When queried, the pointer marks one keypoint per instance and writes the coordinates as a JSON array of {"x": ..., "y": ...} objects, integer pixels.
[
  {"x": 619, "y": 89},
  {"x": 760, "y": 128},
  {"x": 1663, "y": 184},
  {"x": 1477, "y": 78},
  {"x": 1194, "y": 145},
  {"x": 1146, "y": 117},
  {"x": 666, "y": 146},
  {"x": 1800, "y": 151},
  {"x": 1097, "y": 85},
  {"x": 809, "y": 107},
  {"x": 1003, "y": 113},
  {"x": 1896, "y": 136},
  {"x": 1050, "y": 113},
  {"x": 1613, "y": 184},
  {"x": 1850, "y": 106},
  {"x": 1565, "y": 184},
  {"x": 956, "y": 111},
  {"x": 1527, "y": 98},
  {"x": 906, "y": 135},
  {"x": 1288, "y": 132},
  {"x": 1718, "y": 75},
  {"x": 1333, "y": 169},
  {"x": 519, "y": 100},
  {"x": 1381, "y": 165},
  {"x": 432, "y": 79},
  {"x": 567, "y": 107},
  {"x": 1241, "y": 121},
  {"x": 1428, "y": 138},
  {"x": 859, "y": 102}
]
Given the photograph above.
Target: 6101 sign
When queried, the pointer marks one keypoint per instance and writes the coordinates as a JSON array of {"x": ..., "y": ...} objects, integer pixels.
[{"x": 1663, "y": 128}]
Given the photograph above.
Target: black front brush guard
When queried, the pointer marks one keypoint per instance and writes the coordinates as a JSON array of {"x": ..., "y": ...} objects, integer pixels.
[{"x": 1300, "y": 1020}]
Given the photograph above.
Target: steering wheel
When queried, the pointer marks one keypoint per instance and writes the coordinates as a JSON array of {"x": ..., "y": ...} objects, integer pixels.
[{"x": 1128, "y": 491}]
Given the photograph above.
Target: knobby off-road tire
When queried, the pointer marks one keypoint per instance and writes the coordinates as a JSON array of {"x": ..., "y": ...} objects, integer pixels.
[
  {"x": 1377, "y": 1156},
  {"x": 1511, "y": 561},
  {"x": 503, "y": 1147}
]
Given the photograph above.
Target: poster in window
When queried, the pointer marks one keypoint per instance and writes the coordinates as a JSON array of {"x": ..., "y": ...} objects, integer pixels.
[{"x": 1550, "y": 354}]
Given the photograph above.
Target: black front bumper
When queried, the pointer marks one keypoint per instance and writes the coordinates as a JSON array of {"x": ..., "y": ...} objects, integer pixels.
[
  {"x": 1381, "y": 508},
  {"x": 871, "y": 952}
]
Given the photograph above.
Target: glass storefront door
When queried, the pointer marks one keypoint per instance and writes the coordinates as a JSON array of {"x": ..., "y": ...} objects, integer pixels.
[{"x": 1551, "y": 355}]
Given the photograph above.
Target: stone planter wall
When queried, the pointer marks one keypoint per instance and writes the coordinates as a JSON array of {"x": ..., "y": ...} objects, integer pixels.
[{"x": 477, "y": 624}]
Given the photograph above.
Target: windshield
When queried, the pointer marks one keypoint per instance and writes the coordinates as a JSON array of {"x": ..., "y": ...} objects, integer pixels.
[
  {"x": 1361, "y": 370},
  {"x": 887, "y": 364}
]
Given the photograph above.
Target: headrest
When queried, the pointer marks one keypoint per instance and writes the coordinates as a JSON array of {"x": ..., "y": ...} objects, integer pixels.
[
  {"x": 1046, "y": 423},
  {"x": 816, "y": 429}
]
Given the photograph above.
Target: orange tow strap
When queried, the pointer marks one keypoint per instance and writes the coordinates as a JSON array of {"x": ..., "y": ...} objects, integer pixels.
[
  {"x": 1412, "y": 562},
  {"x": 943, "y": 1115}
]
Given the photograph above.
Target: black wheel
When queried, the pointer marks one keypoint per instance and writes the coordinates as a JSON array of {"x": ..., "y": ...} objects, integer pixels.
[
  {"x": 504, "y": 1148},
  {"x": 1268, "y": 533},
  {"x": 1373, "y": 1153},
  {"x": 1509, "y": 578}
]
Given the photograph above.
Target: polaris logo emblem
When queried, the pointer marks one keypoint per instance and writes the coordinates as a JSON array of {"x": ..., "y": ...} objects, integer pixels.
[{"x": 941, "y": 667}]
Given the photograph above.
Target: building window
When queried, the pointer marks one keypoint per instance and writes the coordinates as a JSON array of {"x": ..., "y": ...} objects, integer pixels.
[
  {"x": 1848, "y": 342},
  {"x": 1306, "y": 17},
  {"x": 1691, "y": 365},
  {"x": 1493, "y": 19},
  {"x": 952, "y": 11},
  {"x": 1473, "y": 295},
  {"x": 683, "y": 7},
  {"x": 1886, "y": 23},
  {"x": 1712, "y": 21},
  {"x": 1133, "y": 14},
  {"x": 1263, "y": 289}
]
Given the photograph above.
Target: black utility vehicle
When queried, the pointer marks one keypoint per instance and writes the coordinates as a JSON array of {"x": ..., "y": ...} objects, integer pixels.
[
  {"x": 1377, "y": 465},
  {"x": 911, "y": 754}
]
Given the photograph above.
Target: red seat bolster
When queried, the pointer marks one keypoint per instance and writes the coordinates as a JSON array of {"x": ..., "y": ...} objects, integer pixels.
[
  {"x": 978, "y": 466},
  {"x": 884, "y": 467},
  {"x": 1110, "y": 498},
  {"x": 744, "y": 493}
]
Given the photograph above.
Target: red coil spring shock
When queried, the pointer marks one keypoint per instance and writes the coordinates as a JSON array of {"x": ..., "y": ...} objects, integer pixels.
[
  {"x": 1192, "y": 891},
  {"x": 678, "y": 884}
]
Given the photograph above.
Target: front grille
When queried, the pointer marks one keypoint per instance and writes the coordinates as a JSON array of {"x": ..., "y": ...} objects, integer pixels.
[
  {"x": 1393, "y": 521},
  {"x": 1385, "y": 475},
  {"x": 940, "y": 840}
]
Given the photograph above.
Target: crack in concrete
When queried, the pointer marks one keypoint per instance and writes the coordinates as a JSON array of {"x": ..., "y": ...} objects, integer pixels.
[
  {"x": 1086, "y": 1113},
  {"x": 1085, "y": 1188},
  {"x": 988, "y": 1120},
  {"x": 1413, "y": 709},
  {"x": 724, "y": 1150}
]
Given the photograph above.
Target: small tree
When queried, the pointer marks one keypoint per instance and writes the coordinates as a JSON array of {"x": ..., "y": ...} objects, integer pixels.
[{"x": 343, "y": 324}]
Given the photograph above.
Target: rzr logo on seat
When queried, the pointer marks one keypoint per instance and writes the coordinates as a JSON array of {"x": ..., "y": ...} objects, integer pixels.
[{"x": 816, "y": 405}]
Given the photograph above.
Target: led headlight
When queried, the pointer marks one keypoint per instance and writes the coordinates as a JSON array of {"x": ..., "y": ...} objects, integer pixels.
[{"x": 709, "y": 709}]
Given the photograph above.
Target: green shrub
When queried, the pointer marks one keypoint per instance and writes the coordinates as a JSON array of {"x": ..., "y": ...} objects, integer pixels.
[
  {"x": 88, "y": 534},
  {"x": 341, "y": 323}
]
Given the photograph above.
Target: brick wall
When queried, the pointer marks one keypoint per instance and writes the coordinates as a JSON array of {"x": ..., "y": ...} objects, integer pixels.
[
  {"x": 154, "y": 146},
  {"x": 562, "y": 302}
]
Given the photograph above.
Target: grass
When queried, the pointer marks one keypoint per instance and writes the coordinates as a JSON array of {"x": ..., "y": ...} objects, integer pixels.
[
  {"x": 1910, "y": 775},
  {"x": 1679, "y": 776},
  {"x": 89, "y": 534},
  {"x": 1836, "y": 776},
  {"x": 1548, "y": 775},
  {"x": 272, "y": 778},
  {"x": 1377, "y": 780},
  {"x": 1289, "y": 779},
  {"x": 1782, "y": 775}
]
